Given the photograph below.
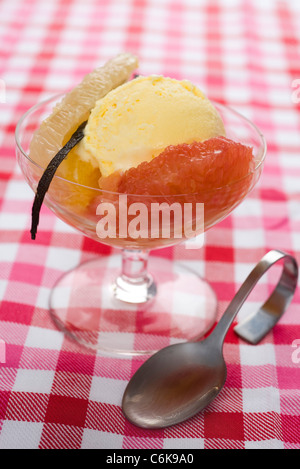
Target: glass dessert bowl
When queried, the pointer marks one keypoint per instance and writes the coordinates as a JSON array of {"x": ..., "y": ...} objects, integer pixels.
[{"x": 135, "y": 304}]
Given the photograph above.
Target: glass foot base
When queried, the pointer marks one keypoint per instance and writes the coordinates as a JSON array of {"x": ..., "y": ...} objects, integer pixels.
[{"x": 181, "y": 307}]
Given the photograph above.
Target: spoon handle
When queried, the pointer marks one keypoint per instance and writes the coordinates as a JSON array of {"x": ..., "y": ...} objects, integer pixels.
[{"x": 255, "y": 327}]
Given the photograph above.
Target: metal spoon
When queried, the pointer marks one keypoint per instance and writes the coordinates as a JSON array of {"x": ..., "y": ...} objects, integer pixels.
[{"x": 180, "y": 380}]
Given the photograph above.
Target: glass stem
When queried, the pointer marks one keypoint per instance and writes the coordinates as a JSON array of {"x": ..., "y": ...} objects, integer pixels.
[
  {"x": 135, "y": 266},
  {"x": 134, "y": 284}
]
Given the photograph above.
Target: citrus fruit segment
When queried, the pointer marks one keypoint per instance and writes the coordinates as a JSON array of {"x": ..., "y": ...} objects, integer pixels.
[
  {"x": 48, "y": 175},
  {"x": 75, "y": 107},
  {"x": 217, "y": 173},
  {"x": 80, "y": 171},
  {"x": 186, "y": 169}
]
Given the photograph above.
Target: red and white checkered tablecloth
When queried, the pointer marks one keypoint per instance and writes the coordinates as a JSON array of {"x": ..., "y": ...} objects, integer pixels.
[{"x": 54, "y": 394}]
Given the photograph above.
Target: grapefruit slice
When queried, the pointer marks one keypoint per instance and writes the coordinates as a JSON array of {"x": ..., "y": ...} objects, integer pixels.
[
  {"x": 186, "y": 169},
  {"x": 217, "y": 172},
  {"x": 59, "y": 134},
  {"x": 48, "y": 175},
  {"x": 75, "y": 107}
]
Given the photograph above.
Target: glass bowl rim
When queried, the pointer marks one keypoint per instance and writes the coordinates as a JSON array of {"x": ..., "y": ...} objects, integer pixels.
[{"x": 164, "y": 196}]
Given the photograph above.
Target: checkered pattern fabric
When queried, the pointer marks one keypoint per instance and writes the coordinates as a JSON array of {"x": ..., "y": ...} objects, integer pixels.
[{"x": 54, "y": 394}]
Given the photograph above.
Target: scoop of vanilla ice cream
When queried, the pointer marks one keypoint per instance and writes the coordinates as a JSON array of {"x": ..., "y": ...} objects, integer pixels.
[{"x": 138, "y": 120}]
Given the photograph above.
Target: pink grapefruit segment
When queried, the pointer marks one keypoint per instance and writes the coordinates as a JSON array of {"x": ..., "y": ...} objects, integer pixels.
[
  {"x": 198, "y": 167},
  {"x": 218, "y": 173}
]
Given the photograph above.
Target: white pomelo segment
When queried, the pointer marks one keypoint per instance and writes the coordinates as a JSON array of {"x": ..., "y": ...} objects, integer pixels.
[{"x": 76, "y": 105}]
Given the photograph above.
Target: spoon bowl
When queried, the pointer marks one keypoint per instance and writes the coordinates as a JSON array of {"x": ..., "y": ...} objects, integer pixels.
[
  {"x": 179, "y": 381},
  {"x": 182, "y": 379}
]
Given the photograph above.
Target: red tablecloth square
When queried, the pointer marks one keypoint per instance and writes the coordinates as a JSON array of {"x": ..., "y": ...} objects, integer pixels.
[
  {"x": 66, "y": 410},
  {"x": 227, "y": 425}
]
